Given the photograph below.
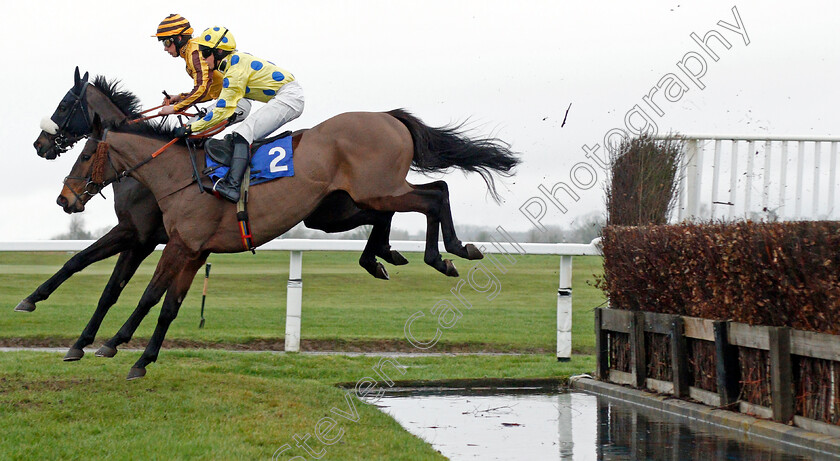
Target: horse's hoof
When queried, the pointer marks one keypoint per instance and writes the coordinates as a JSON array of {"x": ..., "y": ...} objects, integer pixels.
[
  {"x": 473, "y": 252},
  {"x": 397, "y": 259},
  {"x": 450, "y": 268},
  {"x": 106, "y": 351},
  {"x": 135, "y": 373},
  {"x": 380, "y": 272},
  {"x": 74, "y": 354},
  {"x": 25, "y": 306}
]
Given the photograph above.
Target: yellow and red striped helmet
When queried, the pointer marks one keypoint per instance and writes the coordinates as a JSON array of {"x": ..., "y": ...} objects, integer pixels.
[{"x": 173, "y": 25}]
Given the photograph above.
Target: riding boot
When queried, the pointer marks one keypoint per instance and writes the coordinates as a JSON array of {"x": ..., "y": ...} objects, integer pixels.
[{"x": 228, "y": 187}]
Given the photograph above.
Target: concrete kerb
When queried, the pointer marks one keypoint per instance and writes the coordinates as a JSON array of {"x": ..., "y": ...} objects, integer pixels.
[{"x": 795, "y": 438}]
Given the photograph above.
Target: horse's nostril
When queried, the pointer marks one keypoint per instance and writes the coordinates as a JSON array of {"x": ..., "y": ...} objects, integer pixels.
[
  {"x": 61, "y": 201},
  {"x": 37, "y": 144}
]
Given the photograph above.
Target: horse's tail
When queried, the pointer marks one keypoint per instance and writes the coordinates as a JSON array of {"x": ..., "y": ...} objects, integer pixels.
[{"x": 438, "y": 149}]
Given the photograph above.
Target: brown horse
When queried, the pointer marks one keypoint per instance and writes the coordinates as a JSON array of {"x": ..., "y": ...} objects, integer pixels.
[
  {"x": 363, "y": 155},
  {"x": 140, "y": 222}
]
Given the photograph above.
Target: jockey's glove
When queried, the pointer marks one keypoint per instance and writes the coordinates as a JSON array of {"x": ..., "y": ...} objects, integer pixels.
[{"x": 183, "y": 131}]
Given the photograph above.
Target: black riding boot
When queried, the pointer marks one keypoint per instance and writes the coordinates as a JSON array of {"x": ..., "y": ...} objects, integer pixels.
[{"x": 228, "y": 187}]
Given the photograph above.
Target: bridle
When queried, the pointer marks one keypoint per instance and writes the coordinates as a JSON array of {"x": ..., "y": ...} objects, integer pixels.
[
  {"x": 78, "y": 118},
  {"x": 95, "y": 182},
  {"x": 62, "y": 142},
  {"x": 94, "y": 186}
]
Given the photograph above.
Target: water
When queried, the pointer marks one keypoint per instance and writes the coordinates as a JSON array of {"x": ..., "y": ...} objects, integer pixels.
[{"x": 564, "y": 426}]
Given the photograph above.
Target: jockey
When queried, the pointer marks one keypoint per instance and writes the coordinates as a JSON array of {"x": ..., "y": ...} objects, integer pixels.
[
  {"x": 176, "y": 34},
  {"x": 245, "y": 76}
]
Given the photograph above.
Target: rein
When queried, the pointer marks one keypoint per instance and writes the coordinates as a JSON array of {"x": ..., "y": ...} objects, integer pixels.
[
  {"x": 95, "y": 182},
  {"x": 149, "y": 117}
]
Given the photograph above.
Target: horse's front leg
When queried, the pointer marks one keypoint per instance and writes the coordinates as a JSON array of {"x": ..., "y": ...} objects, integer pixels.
[
  {"x": 125, "y": 268},
  {"x": 171, "y": 304},
  {"x": 118, "y": 239},
  {"x": 171, "y": 262}
]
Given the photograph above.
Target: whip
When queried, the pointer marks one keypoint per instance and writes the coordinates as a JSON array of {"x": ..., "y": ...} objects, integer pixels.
[{"x": 204, "y": 293}]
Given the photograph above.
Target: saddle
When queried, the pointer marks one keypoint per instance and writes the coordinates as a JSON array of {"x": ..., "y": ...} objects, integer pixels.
[
  {"x": 271, "y": 158},
  {"x": 221, "y": 150}
]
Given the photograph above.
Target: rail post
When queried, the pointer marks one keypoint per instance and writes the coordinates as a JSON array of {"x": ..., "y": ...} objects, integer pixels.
[
  {"x": 294, "y": 299},
  {"x": 564, "y": 310}
]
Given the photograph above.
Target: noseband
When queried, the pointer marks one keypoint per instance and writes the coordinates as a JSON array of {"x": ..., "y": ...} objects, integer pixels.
[{"x": 95, "y": 182}]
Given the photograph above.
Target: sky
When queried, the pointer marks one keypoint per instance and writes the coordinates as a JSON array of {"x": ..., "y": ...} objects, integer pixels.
[{"x": 511, "y": 70}]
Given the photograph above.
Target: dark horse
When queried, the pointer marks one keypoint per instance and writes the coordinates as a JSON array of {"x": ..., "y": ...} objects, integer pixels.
[
  {"x": 363, "y": 155},
  {"x": 140, "y": 222}
]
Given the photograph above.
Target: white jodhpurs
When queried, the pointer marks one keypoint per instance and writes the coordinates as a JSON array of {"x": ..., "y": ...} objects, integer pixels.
[{"x": 286, "y": 106}]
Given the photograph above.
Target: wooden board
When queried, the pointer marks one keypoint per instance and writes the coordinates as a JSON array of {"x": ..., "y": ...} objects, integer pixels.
[
  {"x": 816, "y": 345},
  {"x": 816, "y": 426},
  {"x": 658, "y": 323},
  {"x": 621, "y": 377},
  {"x": 701, "y": 395},
  {"x": 698, "y": 328},
  {"x": 659, "y": 386},
  {"x": 616, "y": 320},
  {"x": 752, "y": 336}
]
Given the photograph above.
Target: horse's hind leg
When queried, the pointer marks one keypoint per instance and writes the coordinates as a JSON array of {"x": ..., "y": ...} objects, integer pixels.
[
  {"x": 127, "y": 263},
  {"x": 450, "y": 239},
  {"x": 378, "y": 245},
  {"x": 338, "y": 213},
  {"x": 428, "y": 201},
  {"x": 175, "y": 294}
]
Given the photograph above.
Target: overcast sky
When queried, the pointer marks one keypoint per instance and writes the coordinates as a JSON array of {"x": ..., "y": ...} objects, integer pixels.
[{"x": 512, "y": 69}]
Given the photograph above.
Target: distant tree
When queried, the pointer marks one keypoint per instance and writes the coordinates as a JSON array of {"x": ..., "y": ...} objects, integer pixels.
[
  {"x": 586, "y": 228},
  {"x": 76, "y": 230},
  {"x": 552, "y": 234}
]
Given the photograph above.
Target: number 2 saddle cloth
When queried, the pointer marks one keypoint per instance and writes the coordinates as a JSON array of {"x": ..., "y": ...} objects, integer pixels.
[{"x": 271, "y": 159}]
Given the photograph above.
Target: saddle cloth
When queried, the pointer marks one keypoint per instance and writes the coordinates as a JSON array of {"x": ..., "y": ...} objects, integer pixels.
[{"x": 271, "y": 159}]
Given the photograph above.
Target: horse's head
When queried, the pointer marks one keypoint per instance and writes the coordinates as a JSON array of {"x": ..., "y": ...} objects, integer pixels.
[
  {"x": 89, "y": 174},
  {"x": 69, "y": 123}
]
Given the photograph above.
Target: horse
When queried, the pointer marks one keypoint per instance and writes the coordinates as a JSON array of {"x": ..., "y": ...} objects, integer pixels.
[
  {"x": 140, "y": 222},
  {"x": 365, "y": 155}
]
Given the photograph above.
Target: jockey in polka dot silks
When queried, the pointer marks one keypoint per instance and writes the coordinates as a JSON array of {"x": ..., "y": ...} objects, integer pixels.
[
  {"x": 245, "y": 76},
  {"x": 176, "y": 34}
]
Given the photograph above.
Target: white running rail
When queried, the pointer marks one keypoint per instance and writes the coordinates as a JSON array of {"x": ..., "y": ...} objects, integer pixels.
[
  {"x": 758, "y": 177},
  {"x": 294, "y": 288}
]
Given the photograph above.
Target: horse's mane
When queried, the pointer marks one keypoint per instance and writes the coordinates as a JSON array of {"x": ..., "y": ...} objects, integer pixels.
[
  {"x": 125, "y": 100},
  {"x": 152, "y": 129},
  {"x": 130, "y": 105}
]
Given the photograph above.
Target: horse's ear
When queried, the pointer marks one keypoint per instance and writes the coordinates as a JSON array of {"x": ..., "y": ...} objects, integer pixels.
[
  {"x": 85, "y": 78},
  {"x": 76, "y": 78},
  {"x": 96, "y": 127}
]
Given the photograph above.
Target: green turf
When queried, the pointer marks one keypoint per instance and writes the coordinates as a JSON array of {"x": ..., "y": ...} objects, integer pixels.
[
  {"x": 220, "y": 405},
  {"x": 247, "y": 297}
]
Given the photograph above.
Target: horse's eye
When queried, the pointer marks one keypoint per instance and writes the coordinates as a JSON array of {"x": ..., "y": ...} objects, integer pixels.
[
  {"x": 62, "y": 107},
  {"x": 85, "y": 157}
]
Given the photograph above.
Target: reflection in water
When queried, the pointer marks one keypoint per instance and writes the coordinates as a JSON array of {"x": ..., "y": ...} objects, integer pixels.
[
  {"x": 566, "y": 426},
  {"x": 627, "y": 432}
]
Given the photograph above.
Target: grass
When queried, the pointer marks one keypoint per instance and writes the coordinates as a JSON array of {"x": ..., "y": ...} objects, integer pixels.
[
  {"x": 210, "y": 404},
  {"x": 341, "y": 302},
  {"x": 200, "y": 404}
]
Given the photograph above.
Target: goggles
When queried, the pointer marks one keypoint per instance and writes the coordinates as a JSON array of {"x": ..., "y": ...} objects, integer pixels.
[{"x": 168, "y": 41}]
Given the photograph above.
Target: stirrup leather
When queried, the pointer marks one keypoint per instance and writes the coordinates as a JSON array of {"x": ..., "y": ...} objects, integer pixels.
[{"x": 242, "y": 212}]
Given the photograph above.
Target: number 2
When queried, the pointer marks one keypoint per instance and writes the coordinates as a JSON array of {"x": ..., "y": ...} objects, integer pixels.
[{"x": 273, "y": 167}]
